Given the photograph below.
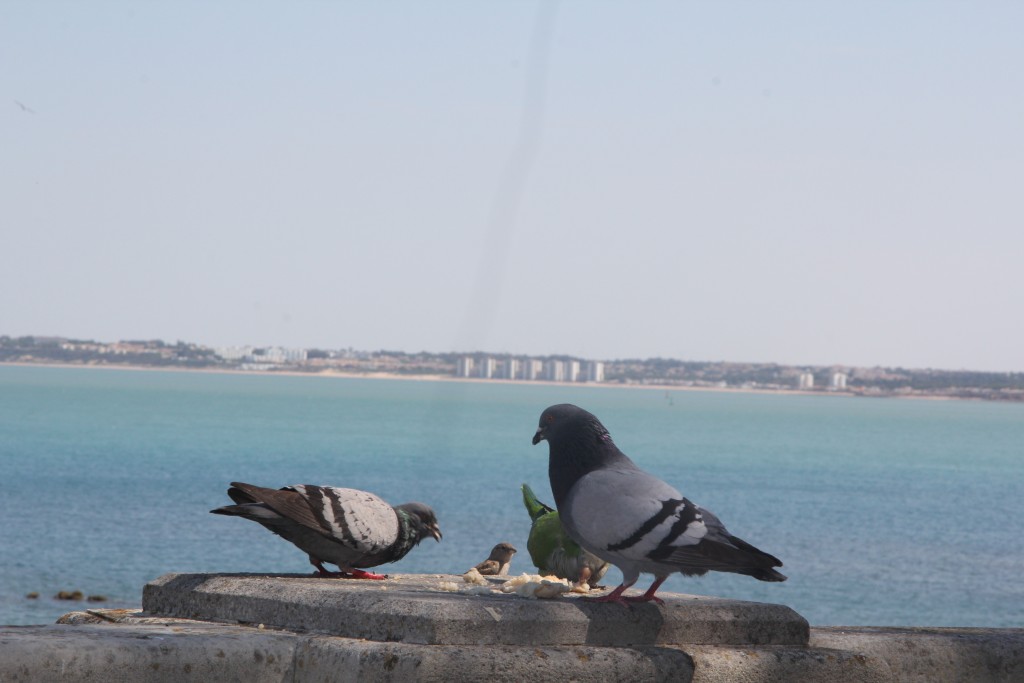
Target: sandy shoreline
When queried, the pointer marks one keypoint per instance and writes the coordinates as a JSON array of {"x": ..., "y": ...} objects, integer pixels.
[{"x": 336, "y": 374}]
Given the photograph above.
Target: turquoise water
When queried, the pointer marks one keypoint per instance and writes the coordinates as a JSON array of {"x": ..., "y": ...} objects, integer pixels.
[{"x": 885, "y": 512}]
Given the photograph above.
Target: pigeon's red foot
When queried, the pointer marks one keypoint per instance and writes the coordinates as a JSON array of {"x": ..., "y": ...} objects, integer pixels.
[
  {"x": 328, "y": 574},
  {"x": 644, "y": 598},
  {"x": 649, "y": 595},
  {"x": 615, "y": 596},
  {"x": 360, "y": 574},
  {"x": 353, "y": 574}
]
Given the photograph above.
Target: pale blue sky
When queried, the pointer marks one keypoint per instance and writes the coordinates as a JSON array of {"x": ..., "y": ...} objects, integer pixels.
[{"x": 798, "y": 182}]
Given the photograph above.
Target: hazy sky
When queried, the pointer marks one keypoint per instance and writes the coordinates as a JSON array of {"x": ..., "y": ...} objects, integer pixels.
[{"x": 798, "y": 182}]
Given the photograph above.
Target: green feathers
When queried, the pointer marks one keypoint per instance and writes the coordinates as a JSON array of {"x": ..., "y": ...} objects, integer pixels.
[{"x": 552, "y": 551}]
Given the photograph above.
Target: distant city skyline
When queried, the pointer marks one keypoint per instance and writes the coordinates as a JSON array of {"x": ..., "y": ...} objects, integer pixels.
[
  {"x": 473, "y": 363},
  {"x": 785, "y": 182},
  {"x": 878, "y": 382}
]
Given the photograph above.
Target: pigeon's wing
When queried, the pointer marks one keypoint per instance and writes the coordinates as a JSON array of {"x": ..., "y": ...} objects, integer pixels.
[
  {"x": 358, "y": 519},
  {"x": 635, "y": 517},
  {"x": 286, "y": 502},
  {"x": 721, "y": 551},
  {"x": 632, "y": 514}
]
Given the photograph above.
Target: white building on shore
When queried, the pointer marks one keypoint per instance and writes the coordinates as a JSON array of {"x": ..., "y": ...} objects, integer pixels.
[
  {"x": 510, "y": 370},
  {"x": 594, "y": 371},
  {"x": 464, "y": 367},
  {"x": 572, "y": 371},
  {"x": 532, "y": 369},
  {"x": 554, "y": 371},
  {"x": 529, "y": 369}
]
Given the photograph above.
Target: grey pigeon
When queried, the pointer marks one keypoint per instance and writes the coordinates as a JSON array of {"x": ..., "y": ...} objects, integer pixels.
[
  {"x": 630, "y": 518},
  {"x": 498, "y": 561},
  {"x": 555, "y": 553},
  {"x": 350, "y": 528}
]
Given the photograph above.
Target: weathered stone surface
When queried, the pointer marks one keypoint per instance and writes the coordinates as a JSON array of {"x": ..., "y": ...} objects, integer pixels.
[
  {"x": 141, "y": 652},
  {"x": 121, "y": 645},
  {"x": 783, "y": 664},
  {"x": 413, "y": 609},
  {"x": 927, "y": 655},
  {"x": 146, "y": 651},
  {"x": 329, "y": 658}
]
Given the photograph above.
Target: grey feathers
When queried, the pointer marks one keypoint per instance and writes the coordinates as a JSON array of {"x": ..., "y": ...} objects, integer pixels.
[
  {"x": 347, "y": 527},
  {"x": 630, "y": 518}
]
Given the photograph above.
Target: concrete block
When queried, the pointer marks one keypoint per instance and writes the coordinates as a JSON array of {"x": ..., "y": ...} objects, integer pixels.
[
  {"x": 156, "y": 654},
  {"x": 331, "y": 659},
  {"x": 121, "y": 645},
  {"x": 413, "y": 609},
  {"x": 782, "y": 664},
  {"x": 143, "y": 651},
  {"x": 934, "y": 655}
]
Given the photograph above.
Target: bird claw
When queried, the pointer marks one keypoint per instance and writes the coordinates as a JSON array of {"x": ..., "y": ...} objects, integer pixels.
[
  {"x": 360, "y": 574},
  {"x": 645, "y": 598},
  {"x": 328, "y": 574},
  {"x": 354, "y": 574},
  {"x": 617, "y": 599}
]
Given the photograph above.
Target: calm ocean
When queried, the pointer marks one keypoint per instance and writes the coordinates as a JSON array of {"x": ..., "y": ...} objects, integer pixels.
[{"x": 885, "y": 512}]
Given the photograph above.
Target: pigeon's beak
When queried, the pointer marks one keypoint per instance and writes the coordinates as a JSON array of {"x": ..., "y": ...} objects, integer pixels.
[
  {"x": 539, "y": 436},
  {"x": 435, "y": 531}
]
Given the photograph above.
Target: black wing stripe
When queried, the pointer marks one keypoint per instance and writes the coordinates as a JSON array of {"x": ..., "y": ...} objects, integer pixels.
[
  {"x": 668, "y": 507},
  {"x": 687, "y": 515},
  {"x": 340, "y": 519},
  {"x": 315, "y": 497}
]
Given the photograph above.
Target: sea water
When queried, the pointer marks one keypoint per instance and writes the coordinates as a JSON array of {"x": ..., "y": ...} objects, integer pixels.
[{"x": 884, "y": 511}]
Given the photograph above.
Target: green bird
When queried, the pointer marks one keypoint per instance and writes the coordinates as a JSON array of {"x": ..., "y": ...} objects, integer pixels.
[{"x": 552, "y": 551}]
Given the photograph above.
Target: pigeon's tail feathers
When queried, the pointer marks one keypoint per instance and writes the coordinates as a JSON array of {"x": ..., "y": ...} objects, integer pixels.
[
  {"x": 253, "y": 511},
  {"x": 286, "y": 502},
  {"x": 239, "y": 496},
  {"x": 726, "y": 553},
  {"x": 533, "y": 505},
  {"x": 765, "y": 574},
  {"x": 763, "y": 571}
]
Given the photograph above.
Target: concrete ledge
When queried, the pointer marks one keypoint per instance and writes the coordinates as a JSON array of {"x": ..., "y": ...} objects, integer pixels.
[
  {"x": 196, "y": 651},
  {"x": 413, "y": 609},
  {"x": 408, "y": 629},
  {"x": 967, "y": 655},
  {"x": 113, "y": 645}
]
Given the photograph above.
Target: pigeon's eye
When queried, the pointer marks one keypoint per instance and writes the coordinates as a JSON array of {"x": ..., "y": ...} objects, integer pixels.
[{"x": 549, "y": 418}]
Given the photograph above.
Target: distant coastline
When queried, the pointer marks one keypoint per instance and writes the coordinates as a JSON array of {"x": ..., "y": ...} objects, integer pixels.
[
  {"x": 392, "y": 376},
  {"x": 555, "y": 370}
]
